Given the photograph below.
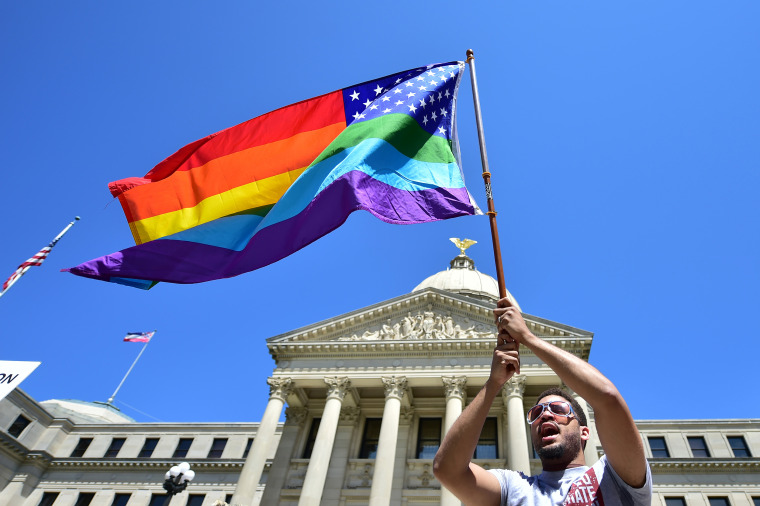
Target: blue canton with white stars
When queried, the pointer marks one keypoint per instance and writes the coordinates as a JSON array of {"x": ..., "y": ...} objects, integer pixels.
[{"x": 425, "y": 94}]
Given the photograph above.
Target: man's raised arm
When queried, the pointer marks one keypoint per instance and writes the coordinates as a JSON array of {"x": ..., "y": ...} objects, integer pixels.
[
  {"x": 617, "y": 432},
  {"x": 452, "y": 467}
]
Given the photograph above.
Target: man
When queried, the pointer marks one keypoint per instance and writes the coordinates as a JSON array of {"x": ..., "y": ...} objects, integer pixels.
[{"x": 558, "y": 430}]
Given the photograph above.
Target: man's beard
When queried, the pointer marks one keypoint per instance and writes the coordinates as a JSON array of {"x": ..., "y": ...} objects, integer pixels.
[{"x": 566, "y": 450}]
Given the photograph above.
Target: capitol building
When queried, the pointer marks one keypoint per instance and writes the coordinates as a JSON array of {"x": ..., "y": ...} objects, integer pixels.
[{"x": 367, "y": 397}]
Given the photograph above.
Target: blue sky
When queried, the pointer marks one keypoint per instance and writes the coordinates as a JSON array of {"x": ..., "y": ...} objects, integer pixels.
[{"x": 622, "y": 138}]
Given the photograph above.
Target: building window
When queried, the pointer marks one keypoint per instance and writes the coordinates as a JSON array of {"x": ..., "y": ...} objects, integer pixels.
[
  {"x": 113, "y": 450},
  {"x": 311, "y": 438},
  {"x": 217, "y": 448},
  {"x": 18, "y": 426},
  {"x": 183, "y": 446},
  {"x": 487, "y": 444},
  {"x": 658, "y": 447},
  {"x": 428, "y": 437},
  {"x": 755, "y": 501},
  {"x": 247, "y": 448},
  {"x": 228, "y": 499},
  {"x": 370, "y": 438},
  {"x": 675, "y": 501},
  {"x": 84, "y": 499},
  {"x": 719, "y": 501},
  {"x": 48, "y": 498},
  {"x": 739, "y": 447},
  {"x": 157, "y": 500},
  {"x": 120, "y": 500},
  {"x": 698, "y": 446},
  {"x": 82, "y": 445},
  {"x": 195, "y": 500},
  {"x": 148, "y": 447}
]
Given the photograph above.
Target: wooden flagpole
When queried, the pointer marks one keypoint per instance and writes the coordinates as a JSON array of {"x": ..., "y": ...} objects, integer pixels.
[{"x": 487, "y": 178}]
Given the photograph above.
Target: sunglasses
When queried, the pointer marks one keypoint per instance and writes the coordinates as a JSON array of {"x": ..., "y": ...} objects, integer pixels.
[{"x": 559, "y": 408}]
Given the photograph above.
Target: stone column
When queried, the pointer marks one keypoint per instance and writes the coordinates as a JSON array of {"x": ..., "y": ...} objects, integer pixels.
[
  {"x": 382, "y": 476},
  {"x": 294, "y": 426},
  {"x": 250, "y": 476},
  {"x": 589, "y": 453},
  {"x": 314, "y": 481},
  {"x": 455, "y": 393},
  {"x": 518, "y": 458}
]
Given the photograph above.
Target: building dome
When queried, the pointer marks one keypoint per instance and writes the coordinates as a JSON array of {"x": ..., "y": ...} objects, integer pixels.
[
  {"x": 85, "y": 412},
  {"x": 463, "y": 278}
]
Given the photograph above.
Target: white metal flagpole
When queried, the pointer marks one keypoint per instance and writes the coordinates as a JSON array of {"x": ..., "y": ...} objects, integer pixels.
[
  {"x": 110, "y": 399},
  {"x": 36, "y": 260}
]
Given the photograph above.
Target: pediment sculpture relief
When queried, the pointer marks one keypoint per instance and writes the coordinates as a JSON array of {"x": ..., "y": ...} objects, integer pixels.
[{"x": 423, "y": 325}]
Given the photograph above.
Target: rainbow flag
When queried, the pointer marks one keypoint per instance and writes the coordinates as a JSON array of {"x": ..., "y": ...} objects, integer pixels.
[{"x": 250, "y": 195}]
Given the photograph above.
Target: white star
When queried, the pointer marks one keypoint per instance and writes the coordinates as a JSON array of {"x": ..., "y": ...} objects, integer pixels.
[
  {"x": 366, "y": 104},
  {"x": 374, "y": 106},
  {"x": 420, "y": 78},
  {"x": 423, "y": 103},
  {"x": 447, "y": 94},
  {"x": 442, "y": 130},
  {"x": 410, "y": 94},
  {"x": 432, "y": 82},
  {"x": 430, "y": 73},
  {"x": 386, "y": 98},
  {"x": 386, "y": 110},
  {"x": 412, "y": 108},
  {"x": 358, "y": 116},
  {"x": 409, "y": 83},
  {"x": 440, "y": 95},
  {"x": 378, "y": 90},
  {"x": 425, "y": 120},
  {"x": 423, "y": 88},
  {"x": 399, "y": 102},
  {"x": 355, "y": 95},
  {"x": 397, "y": 90},
  {"x": 443, "y": 112},
  {"x": 451, "y": 74},
  {"x": 432, "y": 98},
  {"x": 434, "y": 116},
  {"x": 398, "y": 80},
  {"x": 443, "y": 78}
]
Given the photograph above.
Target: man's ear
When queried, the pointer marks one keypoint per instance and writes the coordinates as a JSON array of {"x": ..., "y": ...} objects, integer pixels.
[{"x": 585, "y": 433}]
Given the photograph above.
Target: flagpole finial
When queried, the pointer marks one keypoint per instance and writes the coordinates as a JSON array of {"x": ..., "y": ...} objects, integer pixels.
[
  {"x": 470, "y": 55},
  {"x": 77, "y": 218}
]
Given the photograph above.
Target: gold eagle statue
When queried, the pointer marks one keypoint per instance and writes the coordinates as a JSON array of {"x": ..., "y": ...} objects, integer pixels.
[{"x": 462, "y": 244}]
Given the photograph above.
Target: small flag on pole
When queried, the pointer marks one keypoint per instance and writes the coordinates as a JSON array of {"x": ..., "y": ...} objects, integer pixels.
[
  {"x": 139, "y": 337},
  {"x": 35, "y": 261}
]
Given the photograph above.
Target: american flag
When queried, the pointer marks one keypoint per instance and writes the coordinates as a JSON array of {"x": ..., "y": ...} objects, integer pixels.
[
  {"x": 139, "y": 337},
  {"x": 35, "y": 261}
]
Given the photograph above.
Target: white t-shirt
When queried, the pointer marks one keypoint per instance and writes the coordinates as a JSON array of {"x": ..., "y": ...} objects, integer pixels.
[{"x": 598, "y": 485}]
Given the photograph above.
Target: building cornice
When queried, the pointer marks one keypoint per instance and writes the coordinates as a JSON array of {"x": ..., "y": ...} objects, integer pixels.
[{"x": 708, "y": 465}]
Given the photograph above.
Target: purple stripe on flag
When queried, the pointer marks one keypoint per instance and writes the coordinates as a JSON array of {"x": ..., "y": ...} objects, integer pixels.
[{"x": 189, "y": 262}]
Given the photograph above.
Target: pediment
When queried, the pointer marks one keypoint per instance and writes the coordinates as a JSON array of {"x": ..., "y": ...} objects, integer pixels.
[{"x": 428, "y": 315}]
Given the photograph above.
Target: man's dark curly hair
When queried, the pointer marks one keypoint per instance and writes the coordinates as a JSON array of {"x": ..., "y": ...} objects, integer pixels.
[{"x": 559, "y": 392}]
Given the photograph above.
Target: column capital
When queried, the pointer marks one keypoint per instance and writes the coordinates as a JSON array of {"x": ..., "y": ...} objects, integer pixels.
[
  {"x": 337, "y": 387},
  {"x": 349, "y": 414},
  {"x": 455, "y": 386},
  {"x": 280, "y": 388},
  {"x": 295, "y": 415},
  {"x": 514, "y": 387},
  {"x": 407, "y": 414},
  {"x": 395, "y": 386}
]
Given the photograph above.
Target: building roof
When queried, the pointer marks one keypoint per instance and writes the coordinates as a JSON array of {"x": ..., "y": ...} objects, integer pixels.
[
  {"x": 85, "y": 412},
  {"x": 463, "y": 278}
]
